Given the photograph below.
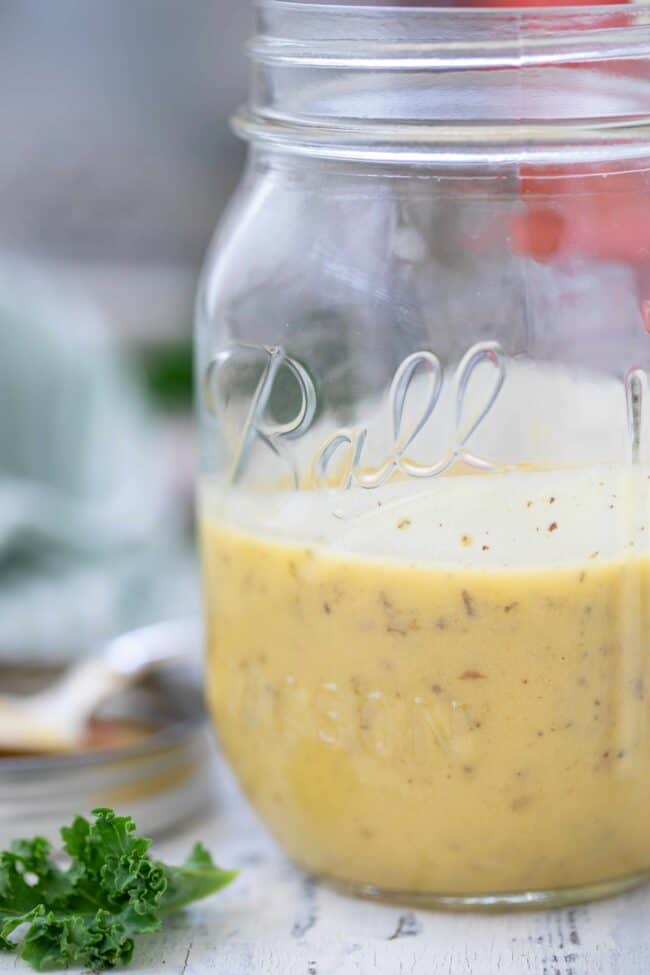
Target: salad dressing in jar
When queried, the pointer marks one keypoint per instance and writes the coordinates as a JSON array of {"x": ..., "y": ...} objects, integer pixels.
[{"x": 425, "y": 501}]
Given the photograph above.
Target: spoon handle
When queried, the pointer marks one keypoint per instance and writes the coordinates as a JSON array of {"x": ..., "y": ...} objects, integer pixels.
[{"x": 137, "y": 652}]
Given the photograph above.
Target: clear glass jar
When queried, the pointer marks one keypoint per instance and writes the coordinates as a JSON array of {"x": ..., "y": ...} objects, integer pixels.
[{"x": 422, "y": 351}]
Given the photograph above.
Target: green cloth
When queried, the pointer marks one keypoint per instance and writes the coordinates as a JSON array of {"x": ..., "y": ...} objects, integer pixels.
[{"x": 89, "y": 531}]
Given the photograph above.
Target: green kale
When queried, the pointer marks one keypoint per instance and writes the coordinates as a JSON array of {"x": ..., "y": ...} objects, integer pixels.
[{"x": 87, "y": 913}]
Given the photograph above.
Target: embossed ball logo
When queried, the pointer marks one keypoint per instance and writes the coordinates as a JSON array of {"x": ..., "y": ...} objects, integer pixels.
[{"x": 339, "y": 460}]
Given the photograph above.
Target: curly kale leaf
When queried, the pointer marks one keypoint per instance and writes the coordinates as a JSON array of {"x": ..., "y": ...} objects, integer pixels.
[{"x": 88, "y": 913}]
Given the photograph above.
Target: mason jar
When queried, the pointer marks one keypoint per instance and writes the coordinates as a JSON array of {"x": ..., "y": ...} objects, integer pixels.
[{"x": 423, "y": 343}]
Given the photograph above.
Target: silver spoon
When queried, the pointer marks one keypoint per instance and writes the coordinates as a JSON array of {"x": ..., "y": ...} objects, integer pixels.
[{"x": 55, "y": 719}]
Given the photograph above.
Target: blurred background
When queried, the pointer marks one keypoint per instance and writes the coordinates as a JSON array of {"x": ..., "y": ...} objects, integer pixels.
[{"x": 115, "y": 163}]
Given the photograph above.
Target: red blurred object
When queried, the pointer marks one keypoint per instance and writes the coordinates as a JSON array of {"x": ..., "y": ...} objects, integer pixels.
[
  {"x": 537, "y": 3},
  {"x": 538, "y": 233},
  {"x": 604, "y": 20},
  {"x": 602, "y": 216},
  {"x": 507, "y": 3}
]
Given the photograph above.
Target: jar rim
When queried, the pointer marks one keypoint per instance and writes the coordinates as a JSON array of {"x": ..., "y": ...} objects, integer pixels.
[
  {"x": 378, "y": 33},
  {"x": 370, "y": 80},
  {"x": 460, "y": 7}
]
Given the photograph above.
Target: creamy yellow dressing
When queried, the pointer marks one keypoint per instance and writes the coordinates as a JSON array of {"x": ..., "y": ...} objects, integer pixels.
[{"x": 441, "y": 688}]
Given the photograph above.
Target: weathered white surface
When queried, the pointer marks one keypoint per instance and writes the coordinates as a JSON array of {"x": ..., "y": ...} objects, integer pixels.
[{"x": 275, "y": 921}]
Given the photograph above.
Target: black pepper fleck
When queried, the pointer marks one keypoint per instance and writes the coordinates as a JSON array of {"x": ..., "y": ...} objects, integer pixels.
[
  {"x": 468, "y": 602},
  {"x": 520, "y": 803}
]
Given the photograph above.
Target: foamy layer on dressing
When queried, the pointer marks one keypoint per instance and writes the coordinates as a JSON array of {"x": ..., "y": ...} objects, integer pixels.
[{"x": 514, "y": 520}]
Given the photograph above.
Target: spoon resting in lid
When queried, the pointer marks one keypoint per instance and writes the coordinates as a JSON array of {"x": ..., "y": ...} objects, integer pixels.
[{"x": 56, "y": 719}]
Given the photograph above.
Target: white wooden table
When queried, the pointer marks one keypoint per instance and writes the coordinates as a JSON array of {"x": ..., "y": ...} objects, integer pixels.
[{"x": 275, "y": 921}]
